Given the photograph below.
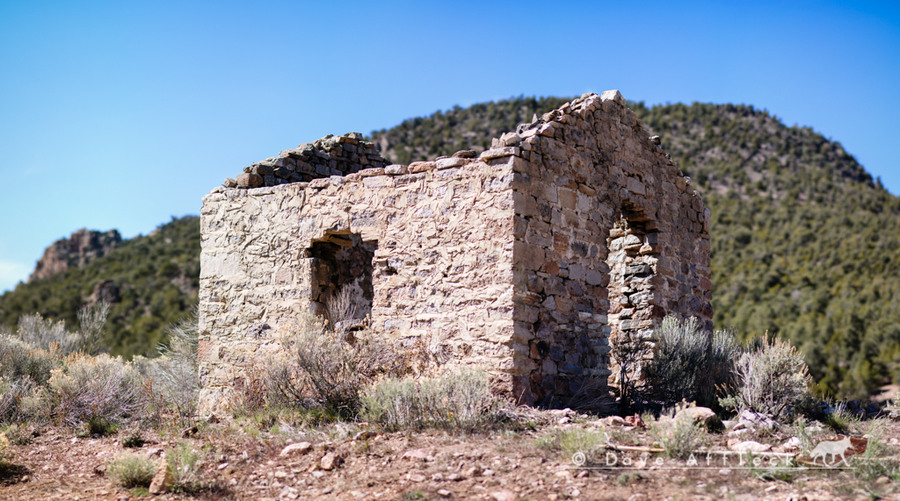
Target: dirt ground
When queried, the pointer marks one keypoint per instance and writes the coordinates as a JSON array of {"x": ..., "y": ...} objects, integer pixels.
[{"x": 346, "y": 461}]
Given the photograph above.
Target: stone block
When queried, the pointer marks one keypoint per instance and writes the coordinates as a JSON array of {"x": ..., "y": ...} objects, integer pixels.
[
  {"x": 523, "y": 332},
  {"x": 635, "y": 185},
  {"x": 420, "y": 167},
  {"x": 505, "y": 151},
  {"x": 247, "y": 180},
  {"x": 377, "y": 182},
  {"x": 373, "y": 171},
  {"x": 613, "y": 95},
  {"x": 526, "y": 205},
  {"x": 446, "y": 163},
  {"x": 395, "y": 170},
  {"x": 567, "y": 198},
  {"x": 593, "y": 277},
  {"x": 631, "y": 243},
  {"x": 577, "y": 272}
]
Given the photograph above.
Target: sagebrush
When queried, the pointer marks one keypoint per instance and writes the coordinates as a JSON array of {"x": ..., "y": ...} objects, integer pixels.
[
  {"x": 182, "y": 461},
  {"x": 47, "y": 334},
  {"x": 12, "y": 394},
  {"x": 132, "y": 470},
  {"x": 456, "y": 399},
  {"x": 629, "y": 351},
  {"x": 573, "y": 440},
  {"x": 36, "y": 351},
  {"x": 96, "y": 388},
  {"x": 4, "y": 447},
  {"x": 321, "y": 368},
  {"x": 174, "y": 375},
  {"x": 773, "y": 380},
  {"x": 689, "y": 363},
  {"x": 20, "y": 360},
  {"x": 678, "y": 434}
]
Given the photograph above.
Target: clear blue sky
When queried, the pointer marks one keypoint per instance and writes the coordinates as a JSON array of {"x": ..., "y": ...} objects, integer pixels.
[{"x": 122, "y": 114}]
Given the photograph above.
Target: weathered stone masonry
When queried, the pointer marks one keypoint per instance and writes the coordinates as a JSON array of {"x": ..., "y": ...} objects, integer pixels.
[
  {"x": 526, "y": 259},
  {"x": 329, "y": 156}
]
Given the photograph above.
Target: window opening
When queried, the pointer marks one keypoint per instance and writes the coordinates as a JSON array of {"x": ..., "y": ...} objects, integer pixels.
[{"x": 341, "y": 282}]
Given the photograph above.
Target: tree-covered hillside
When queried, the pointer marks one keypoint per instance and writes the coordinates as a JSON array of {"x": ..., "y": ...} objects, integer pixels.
[
  {"x": 443, "y": 133},
  {"x": 805, "y": 244},
  {"x": 154, "y": 283}
]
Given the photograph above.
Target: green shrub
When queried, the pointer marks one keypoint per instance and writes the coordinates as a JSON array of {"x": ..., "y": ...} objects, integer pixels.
[
  {"x": 679, "y": 436},
  {"x": 182, "y": 462},
  {"x": 688, "y": 363},
  {"x": 457, "y": 399},
  {"x": 46, "y": 334},
  {"x": 131, "y": 470},
  {"x": 29, "y": 357},
  {"x": 877, "y": 461},
  {"x": 724, "y": 353},
  {"x": 773, "y": 380},
  {"x": 20, "y": 360},
  {"x": 573, "y": 440},
  {"x": 91, "y": 321},
  {"x": 19, "y": 434},
  {"x": 460, "y": 398},
  {"x": 38, "y": 405},
  {"x": 174, "y": 375},
  {"x": 133, "y": 440},
  {"x": 581, "y": 440},
  {"x": 46, "y": 370},
  {"x": 892, "y": 408},
  {"x": 23, "y": 371},
  {"x": 11, "y": 395},
  {"x": 804, "y": 433},
  {"x": 4, "y": 447},
  {"x": 840, "y": 419},
  {"x": 394, "y": 404},
  {"x": 100, "y": 388},
  {"x": 97, "y": 426}
]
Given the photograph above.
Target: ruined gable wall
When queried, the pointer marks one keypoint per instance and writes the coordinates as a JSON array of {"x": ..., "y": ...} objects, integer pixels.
[
  {"x": 442, "y": 266},
  {"x": 601, "y": 214}
]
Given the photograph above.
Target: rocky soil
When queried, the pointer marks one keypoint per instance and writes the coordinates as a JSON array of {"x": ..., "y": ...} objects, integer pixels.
[{"x": 349, "y": 461}]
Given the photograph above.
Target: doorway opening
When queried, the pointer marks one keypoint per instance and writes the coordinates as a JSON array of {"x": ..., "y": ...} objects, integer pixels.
[{"x": 633, "y": 308}]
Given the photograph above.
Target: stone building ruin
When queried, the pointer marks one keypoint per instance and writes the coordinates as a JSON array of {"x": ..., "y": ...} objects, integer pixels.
[{"x": 525, "y": 259}]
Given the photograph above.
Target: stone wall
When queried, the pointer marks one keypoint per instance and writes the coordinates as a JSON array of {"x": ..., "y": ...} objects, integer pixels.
[
  {"x": 441, "y": 263},
  {"x": 329, "y": 156},
  {"x": 610, "y": 237},
  {"x": 526, "y": 259}
]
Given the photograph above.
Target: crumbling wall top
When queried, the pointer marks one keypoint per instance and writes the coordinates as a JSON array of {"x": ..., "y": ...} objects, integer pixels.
[{"x": 328, "y": 156}]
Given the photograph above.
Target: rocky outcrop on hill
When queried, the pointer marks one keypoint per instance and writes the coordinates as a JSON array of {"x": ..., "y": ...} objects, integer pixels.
[{"x": 79, "y": 249}]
